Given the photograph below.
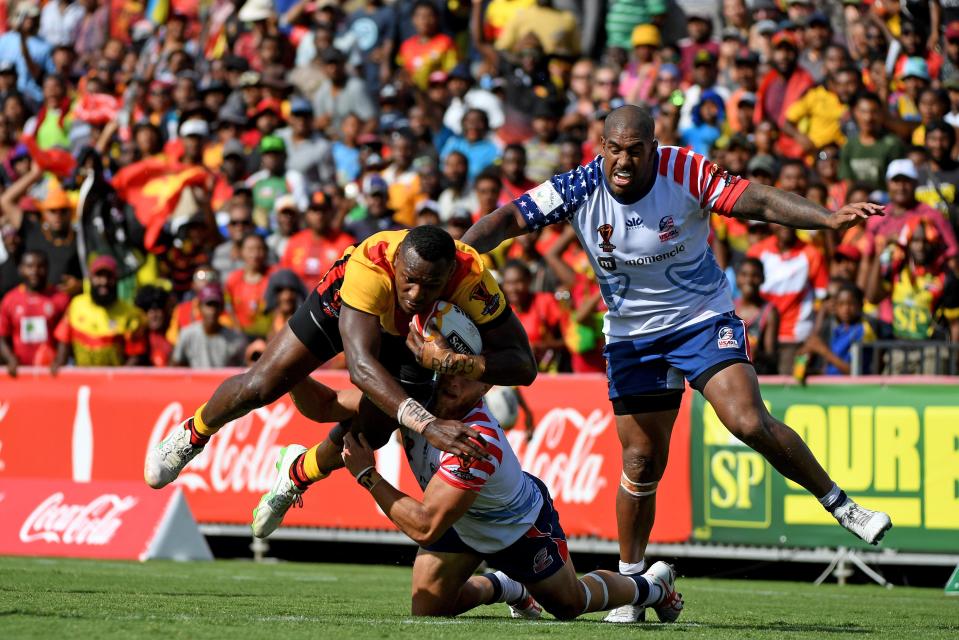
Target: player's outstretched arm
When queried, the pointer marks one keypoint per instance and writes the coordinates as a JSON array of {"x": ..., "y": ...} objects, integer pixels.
[
  {"x": 490, "y": 230},
  {"x": 361, "y": 344},
  {"x": 769, "y": 204},
  {"x": 424, "y": 522}
]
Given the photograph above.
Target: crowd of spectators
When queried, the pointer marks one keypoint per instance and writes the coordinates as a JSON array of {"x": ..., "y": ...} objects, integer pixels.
[{"x": 175, "y": 175}]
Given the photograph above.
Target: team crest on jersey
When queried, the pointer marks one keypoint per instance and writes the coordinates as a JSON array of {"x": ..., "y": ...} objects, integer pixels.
[
  {"x": 542, "y": 560},
  {"x": 727, "y": 339},
  {"x": 605, "y": 232},
  {"x": 667, "y": 229},
  {"x": 490, "y": 300},
  {"x": 463, "y": 473}
]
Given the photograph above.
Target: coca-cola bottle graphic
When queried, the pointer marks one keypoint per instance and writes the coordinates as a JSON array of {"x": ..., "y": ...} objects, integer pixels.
[{"x": 82, "y": 437}]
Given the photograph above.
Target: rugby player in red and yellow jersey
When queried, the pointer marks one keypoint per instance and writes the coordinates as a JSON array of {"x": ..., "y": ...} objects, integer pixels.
[{"x": 363, "y": 307}]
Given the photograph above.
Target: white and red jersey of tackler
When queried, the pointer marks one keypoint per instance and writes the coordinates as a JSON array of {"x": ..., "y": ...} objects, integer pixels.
[
  {"x": 508, "y": 502},
  {"x": 652, "y": 257}
]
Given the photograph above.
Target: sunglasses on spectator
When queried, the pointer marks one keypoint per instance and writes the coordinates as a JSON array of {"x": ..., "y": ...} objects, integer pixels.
[{"x": 245, "y": 223}]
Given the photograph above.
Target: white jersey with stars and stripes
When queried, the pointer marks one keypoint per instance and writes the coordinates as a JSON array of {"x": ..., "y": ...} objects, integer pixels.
[
  {"x": 508, "y": 502},
  {"x": 652, "y": 258}
]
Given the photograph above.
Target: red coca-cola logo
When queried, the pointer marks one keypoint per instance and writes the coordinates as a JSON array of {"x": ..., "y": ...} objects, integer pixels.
[
  {"x": 240, "y": 458},
  {"x": 94, "y": 523},
  {"x": 573, "y": 474}
]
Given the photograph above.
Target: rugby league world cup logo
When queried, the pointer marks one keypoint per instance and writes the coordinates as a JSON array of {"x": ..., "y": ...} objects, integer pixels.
[{"x": 605, "y": 232}]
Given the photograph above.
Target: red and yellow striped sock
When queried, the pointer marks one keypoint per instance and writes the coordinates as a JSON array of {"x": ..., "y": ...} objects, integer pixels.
[
  {"x": 201, "y": 427},
  {"x": 305, "y": 471}
]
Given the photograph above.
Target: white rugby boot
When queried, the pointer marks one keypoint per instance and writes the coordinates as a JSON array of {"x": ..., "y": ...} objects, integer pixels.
[
  {"x": 274, "y": 504},
  {"x": 865, "y": 524},
  {"x": 165, "y": 461},
  {"x": 626, "y": 613},
  {"x": 525, "y": 607},
  {"x": 670, "y": 605}
]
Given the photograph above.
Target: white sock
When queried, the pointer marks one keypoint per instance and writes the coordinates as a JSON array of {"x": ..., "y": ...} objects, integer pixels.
[
  {"x": 630, "y": 568},
  {"x": 512, "y": 590}
]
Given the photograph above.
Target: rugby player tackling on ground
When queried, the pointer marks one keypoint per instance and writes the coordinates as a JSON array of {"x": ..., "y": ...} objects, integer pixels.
[
  {"x": 363, "y": 307},
  {"x": 490, "y": 510}
]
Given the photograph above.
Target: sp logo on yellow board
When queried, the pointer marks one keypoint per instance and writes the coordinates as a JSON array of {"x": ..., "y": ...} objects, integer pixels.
[{"x": 738, "y": 483}]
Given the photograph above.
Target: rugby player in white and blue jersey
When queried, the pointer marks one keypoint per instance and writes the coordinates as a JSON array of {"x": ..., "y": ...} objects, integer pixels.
[
  {"x": 641, "y": 212},
  {"x": 474, "y": 510}
]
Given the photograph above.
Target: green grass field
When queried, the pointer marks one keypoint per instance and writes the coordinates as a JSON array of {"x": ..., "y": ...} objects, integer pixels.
[{"x": 60, "y": 599}]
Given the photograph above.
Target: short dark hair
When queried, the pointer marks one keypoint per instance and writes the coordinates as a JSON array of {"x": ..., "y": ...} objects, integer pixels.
[
  {"x": 868, "y": 96},
  {"x": 425, "y": 4},
  {"x": 515, "y": 146},
  {"x": 756, "y": 262},
  {"x": 520, "y": 265},
  {"x": 481, "y": 113},
  {"x": 851, "y": 289},
  {"x": 430, "y": 243},
  {"x": 793, "y": 162},
  {"x": 945, "y": 128},
  {"x": 490, "y": 174},
  {"x": 151, "y": 297},
  {"x": 42, "y": 255},
  {"x": 255, "y": 235}
]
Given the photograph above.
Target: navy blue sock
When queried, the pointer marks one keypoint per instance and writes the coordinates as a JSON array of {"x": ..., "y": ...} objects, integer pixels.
[
  {"x": 642, "y": 588},
  {"x": 835, "y": 501}
]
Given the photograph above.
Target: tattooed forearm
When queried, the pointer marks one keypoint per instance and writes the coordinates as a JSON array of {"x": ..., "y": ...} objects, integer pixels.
[
  {"x": 490, "y": 230},
  {"x": 759, "y": 202}
]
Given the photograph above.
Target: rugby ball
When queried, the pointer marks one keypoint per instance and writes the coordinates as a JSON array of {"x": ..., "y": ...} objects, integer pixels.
[
  {"x": 453, "y": 323},
  {"x": 503, "y": 403}
]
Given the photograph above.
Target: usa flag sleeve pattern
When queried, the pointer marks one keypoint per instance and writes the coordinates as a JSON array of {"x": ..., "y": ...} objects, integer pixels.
[
  {"x": 714, "y": 188},
  {"x": 472, "y": 474},
  {"x": 559, "y": 197}
]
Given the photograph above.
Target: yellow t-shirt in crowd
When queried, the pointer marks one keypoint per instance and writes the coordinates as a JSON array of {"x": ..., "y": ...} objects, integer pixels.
[{"x": 818, "y": 114}]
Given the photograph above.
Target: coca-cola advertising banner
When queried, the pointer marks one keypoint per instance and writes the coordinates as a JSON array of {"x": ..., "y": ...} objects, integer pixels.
[
  {"x": 116, "y": 520},
  {"x": 97, "y": 425}
]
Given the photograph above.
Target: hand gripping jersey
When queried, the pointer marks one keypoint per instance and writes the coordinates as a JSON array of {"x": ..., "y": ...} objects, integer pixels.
[
  {"x": 508, "y": 502},
  {"x": 652, "y": 259}
]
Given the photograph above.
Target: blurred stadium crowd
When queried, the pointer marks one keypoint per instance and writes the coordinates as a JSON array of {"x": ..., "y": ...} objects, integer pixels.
[{"x": 176, "y": 174}]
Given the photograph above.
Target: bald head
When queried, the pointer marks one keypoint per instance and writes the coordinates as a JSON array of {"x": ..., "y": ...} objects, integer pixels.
[
  {"x": 631, "y": 119},
  {"x": 629, "y": 152}
]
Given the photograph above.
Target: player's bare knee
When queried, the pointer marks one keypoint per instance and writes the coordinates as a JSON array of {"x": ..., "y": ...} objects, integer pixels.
[
  {"x": 642, "y": 466},
  {"x": 427, "y": 604},
  {"x": 750, "y": 427},
  {"x": 259, "y": 388}
]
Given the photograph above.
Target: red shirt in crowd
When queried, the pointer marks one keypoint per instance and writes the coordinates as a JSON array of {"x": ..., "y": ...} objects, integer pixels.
[
  {"x": 28, "y": 319},
  {"x": 541, "y": 317},
  {"x": 310, "y": 257},
  {"x": 248, "y": 300},
  {"x": 795, "y": 278}
]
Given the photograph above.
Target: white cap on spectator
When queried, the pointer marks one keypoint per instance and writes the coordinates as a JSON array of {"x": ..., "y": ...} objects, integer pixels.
[
  {"x": 195, "y": 127},
  {"x": 285, "y": 201},
  {"x": 256, "y": 10},
  {"x": 902, "y": 167}
]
